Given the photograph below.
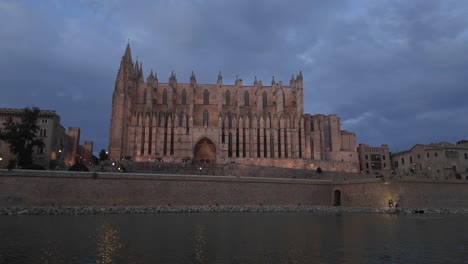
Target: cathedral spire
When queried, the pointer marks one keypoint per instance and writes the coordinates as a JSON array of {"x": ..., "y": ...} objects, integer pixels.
[
  {"x": 128, "y": 54},
  {"x": 220, "y": 78},
  {"x": 173, "y": 80},
  {"x": 141, "y": 72},
  {"x": 193, "y": 80}
]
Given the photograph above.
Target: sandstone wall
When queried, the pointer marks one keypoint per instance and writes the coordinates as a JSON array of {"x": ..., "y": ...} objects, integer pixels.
[
  {"x": 76, "y": 189},
  {"x": 26, "y": 188},
  {"x": 409, "y": 193}
]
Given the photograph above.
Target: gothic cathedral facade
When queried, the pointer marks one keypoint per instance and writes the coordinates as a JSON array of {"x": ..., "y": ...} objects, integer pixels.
[{"x": 220, "y": 124}]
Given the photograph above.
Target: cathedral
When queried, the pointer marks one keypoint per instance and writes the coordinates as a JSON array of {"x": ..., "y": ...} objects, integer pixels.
[{"x": 215, "y": 124}]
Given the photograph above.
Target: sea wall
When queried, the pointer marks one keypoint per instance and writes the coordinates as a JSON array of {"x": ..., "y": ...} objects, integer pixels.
[
  {"x": 409, "y": 193},
  {"x": 25, "y": 188},
  {"x": 46, "y": 188}
]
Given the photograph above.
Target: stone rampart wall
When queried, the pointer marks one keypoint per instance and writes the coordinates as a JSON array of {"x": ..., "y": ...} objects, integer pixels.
[
  {"x": 45, "y": 188},
  {"x": 76, "y": 189}
]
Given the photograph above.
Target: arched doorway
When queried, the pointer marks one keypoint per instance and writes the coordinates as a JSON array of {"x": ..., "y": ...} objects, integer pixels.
[
  {"x": 337, "y": 198},
  {"x": 205, "y": 152}
]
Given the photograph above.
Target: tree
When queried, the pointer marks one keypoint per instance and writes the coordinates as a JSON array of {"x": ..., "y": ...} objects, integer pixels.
[
  {"x": 22, "y": 135},
  {"x": 103, "y": 155}
]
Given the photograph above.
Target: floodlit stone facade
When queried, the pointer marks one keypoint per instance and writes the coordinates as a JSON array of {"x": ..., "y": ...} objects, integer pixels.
[
  {"x": 220, "y": 124},
  {"x": 438, "y": 161},
  {"x": 374, "y": 161},
  {"x": 60, "y": 148}
]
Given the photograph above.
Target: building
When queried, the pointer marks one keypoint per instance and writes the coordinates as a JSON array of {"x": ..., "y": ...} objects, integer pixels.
[
  {"x": 438, "y": 161},
  {"x": 374, "y": 160},
  {"x": 60, "y": 148},
  {"x": 220, "y": 123}
]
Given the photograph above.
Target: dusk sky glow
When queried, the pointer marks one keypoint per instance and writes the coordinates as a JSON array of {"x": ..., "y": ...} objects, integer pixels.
[{"x": 395, "y": 72}]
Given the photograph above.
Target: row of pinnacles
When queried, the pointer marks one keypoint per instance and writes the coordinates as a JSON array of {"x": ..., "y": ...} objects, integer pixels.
[{"x": 219, "y": 124}]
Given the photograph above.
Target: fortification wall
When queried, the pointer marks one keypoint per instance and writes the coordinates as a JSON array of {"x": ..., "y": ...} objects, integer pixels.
[
  {"x": 409, "y": 193},
  {"x": 37, "y": 188},
  {"x": 81, "y": 189}
]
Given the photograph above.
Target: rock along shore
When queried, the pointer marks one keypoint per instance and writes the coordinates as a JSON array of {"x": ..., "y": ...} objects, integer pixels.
[{"x": 93, "y": 210}]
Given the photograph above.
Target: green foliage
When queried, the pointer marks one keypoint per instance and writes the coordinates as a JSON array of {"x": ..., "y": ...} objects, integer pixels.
[
  {"x": 22, "y": 135},
  {"x": 103, "y": 155}
]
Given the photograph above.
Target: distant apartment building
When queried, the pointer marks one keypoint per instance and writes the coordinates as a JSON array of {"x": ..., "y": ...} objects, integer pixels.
[
  {"x": 374, "y": 160},
  {"x": 60, "y": 148},
  {"x": 438, "y": 161}
]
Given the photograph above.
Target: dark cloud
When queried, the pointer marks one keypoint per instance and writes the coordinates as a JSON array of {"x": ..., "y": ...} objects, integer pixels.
[{"x": 394, "y": 71}]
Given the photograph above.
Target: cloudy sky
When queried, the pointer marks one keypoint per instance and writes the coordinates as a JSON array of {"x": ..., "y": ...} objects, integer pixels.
[{"x": 396, "y": 72}]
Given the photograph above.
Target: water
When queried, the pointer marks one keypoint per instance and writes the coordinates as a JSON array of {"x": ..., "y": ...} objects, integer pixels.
[{"x": 234, "y": 238}]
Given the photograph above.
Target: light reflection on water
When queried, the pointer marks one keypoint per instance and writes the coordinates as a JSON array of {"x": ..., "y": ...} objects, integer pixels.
[
  {"x": 199, "y": 244},
  {"x": 234, "y": 238},
  {"x": 108, "y": 243}
]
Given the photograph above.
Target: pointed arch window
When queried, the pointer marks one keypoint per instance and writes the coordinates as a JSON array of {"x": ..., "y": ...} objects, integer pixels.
[
  {"x": 246, "y": 98},
  {"x": 228, "y": 98},
  {"x": 264, "y": 95},
  {"x": 144, "y": 97},
  {"x": 230, "y": 145},
  {"x": 184, "y": 97},
  {"x": 205, "y": 118},
  {"x": 164, "y": 99},
  {"x": 206, "y": 97}
]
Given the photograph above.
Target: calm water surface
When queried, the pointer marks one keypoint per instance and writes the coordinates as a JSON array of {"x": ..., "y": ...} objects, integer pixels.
[{"x": 234, "y": 238}]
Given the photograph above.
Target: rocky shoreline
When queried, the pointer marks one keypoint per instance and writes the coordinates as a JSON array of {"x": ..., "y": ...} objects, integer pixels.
[{"x": 93, "y": 210}]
